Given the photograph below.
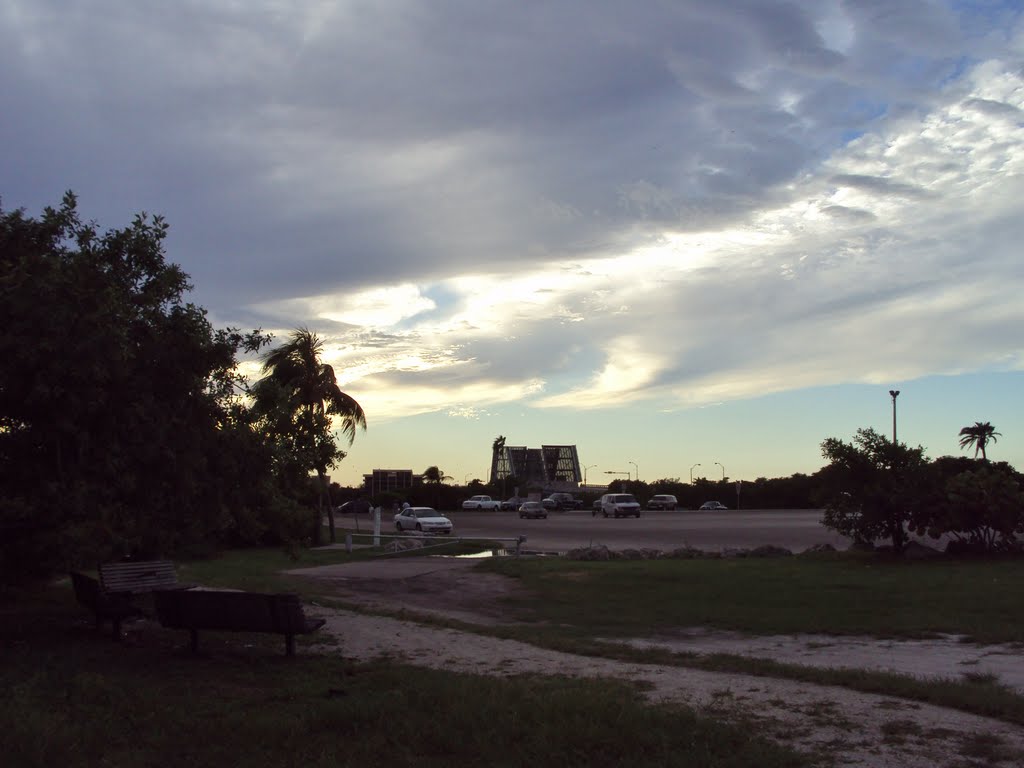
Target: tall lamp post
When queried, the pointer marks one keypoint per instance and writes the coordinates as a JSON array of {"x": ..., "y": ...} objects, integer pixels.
[
  {"x": 465, "y": 480},
  {"x": 894, "y": 393},
  {"x": 591, "y": 466},
  {"x": 723, "y": 469},
  {"x": 637, "y": 468},
  {"x": 691, "y": 473}
]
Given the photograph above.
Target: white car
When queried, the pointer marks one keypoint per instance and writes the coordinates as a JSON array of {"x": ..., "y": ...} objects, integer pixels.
[
  {"x": 620, "y": 505},
  {"x": 713, "y": 505},
  {"x": 481, "y": 502},
  {"x": 422, "y": 519}
]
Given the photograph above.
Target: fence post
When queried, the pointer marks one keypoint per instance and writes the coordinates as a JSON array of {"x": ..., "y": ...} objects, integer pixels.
[
  {"x": 348, "y": 543},
  {"x": 376, "y": 526}
]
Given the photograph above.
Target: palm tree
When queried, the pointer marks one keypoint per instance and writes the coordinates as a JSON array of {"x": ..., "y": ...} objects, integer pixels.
[
  {"x": 435, "y": 475},
  {"x": 978, "y": 436},
  {"x": 307, "y": 389}
]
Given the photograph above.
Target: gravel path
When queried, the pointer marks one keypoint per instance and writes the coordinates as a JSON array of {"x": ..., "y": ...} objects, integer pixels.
[{"x": 838, "y": 726}]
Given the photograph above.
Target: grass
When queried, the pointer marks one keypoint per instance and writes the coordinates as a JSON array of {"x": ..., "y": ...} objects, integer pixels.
[
  {"x": 259, "y": 569},
  {"x": 840, "y": 596},
  {"x": 78, "y": 699},
  {"x": 74, "y": 698}
]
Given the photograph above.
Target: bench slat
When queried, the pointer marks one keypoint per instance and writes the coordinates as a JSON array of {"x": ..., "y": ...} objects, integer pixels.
[{"x": 143, "y": 576}]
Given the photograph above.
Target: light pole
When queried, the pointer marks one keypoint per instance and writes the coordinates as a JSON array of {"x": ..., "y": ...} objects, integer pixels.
[
  {"x": 894, "y": 393},
  {"x": 465, "y": 480},
  {"x": 723, "y": 470},
  {"x": 637, "y": 468},
  {"x": 590, "y": 466},
  {"x": 691, "y": 473}
]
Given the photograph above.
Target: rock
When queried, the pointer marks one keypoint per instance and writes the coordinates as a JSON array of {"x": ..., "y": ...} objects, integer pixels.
[
  {"x": 686, "y": 553},
  {"x": 767, "y": 550},
  {"x": 861, "y": 546},
  {"x": 819, "y": 548},
  {"x": 600, "y": 552},
  {"x": 729, "y": 552}
]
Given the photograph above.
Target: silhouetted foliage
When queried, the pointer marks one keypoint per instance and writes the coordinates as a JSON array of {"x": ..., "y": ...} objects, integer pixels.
[
  {"x": 297, "y": 399},
  {"x": 120, "y": 433},
  {"x": 978, "y": 436},
  {"x": 874, "y": 487}
]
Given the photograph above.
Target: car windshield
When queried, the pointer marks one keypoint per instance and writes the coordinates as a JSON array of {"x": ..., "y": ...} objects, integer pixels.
[
  {"x": 624, "y": 498},
  {"x": 425, "y": 513}
]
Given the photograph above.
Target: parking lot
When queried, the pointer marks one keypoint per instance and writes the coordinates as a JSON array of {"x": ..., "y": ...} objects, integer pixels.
[{"x": 795, "y": 529}]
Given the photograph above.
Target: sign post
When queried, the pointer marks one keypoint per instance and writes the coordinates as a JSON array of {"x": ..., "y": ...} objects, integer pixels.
[{"x": 738, "y": 484}]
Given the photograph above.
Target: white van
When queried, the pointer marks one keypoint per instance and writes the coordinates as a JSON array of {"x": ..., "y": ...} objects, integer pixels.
[{"x": 620, "y": 505}]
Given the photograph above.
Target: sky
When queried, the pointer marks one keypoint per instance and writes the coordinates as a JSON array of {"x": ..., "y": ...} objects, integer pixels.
[{"x": 683, "y": 236}]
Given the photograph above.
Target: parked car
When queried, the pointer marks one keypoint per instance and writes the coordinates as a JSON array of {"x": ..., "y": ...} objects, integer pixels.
[
  {"x": 532, "y": 509},
  {"x": 562, "y": 501},
  {"x": 596, "y": 506},
  {"x": 512, "y": 503},
  {"x": 662, "y": 501},
  {"x": 481, "y": 502},
  {"x": 713, "y": 505},
  {"x": 423, "y": 519},
  {"x": 620, "y": 505}
]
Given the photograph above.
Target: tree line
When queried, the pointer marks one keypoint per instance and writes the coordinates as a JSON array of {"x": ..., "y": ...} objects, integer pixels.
[{"x": 126, "y": 429}]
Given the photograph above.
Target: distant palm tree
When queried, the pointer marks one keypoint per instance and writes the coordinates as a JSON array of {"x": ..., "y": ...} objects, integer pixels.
[
  {"x": 978, "y": 436},
  {"x": 435, "y": 475},
  {"x": 295, "y": 374}
]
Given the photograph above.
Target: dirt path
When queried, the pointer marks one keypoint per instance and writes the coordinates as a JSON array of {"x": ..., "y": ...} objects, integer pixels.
[{"x": 837, "y": 725}]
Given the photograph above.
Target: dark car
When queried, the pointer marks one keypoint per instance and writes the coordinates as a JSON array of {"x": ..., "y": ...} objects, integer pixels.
[
  {"x": 562, "y": 501},
  {"x": 532, "y": 509},
  {"x": 662, "y": 501}
]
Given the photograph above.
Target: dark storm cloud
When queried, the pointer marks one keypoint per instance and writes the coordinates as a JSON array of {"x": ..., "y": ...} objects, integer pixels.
[{"x": 274, "y": 142}]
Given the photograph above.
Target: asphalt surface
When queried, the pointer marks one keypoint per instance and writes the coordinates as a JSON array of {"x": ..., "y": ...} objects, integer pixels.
[{"x": 795, "y": 529}]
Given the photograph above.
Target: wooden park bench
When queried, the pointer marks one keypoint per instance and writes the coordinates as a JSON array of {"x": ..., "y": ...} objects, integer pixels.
[
  {"x": 139, "y": 577},
  {"x": 231, "y": 611},
  {"x": 114, "y": 608}
]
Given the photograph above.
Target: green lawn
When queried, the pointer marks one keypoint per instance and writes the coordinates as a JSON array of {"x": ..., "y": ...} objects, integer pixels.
[
  {"x": 839, "y": 595},
  {"x": 75, "y": 698}
]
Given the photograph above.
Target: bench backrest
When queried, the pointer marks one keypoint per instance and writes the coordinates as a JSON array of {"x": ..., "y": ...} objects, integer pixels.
[
  {"x": 141, "y": 576},
  {"x": 237, "y": 611}
]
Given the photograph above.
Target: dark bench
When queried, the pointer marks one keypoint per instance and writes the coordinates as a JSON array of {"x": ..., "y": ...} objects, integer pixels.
[
  {"x": 114, "y": 608},
  {"x": 139, "y": 577},
  {"x": 228, "y": 611}
]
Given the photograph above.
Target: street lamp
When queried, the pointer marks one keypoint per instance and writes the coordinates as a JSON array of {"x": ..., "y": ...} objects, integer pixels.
[
  {"x": 894, "y": 393},
  {"x": 590, "y": 466},
  {"x": 465, "y": 480},
  {"x": 723, "y": 470},
  {"x": 637, "y": 468},
  {"x": 691, "y": 473}
]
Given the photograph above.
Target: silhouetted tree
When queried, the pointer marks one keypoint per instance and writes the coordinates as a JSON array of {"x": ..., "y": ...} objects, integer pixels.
[
  {"x": 299, "y": 386},
  {"x": 979, "y": 435},
  {"x": 120, "y": 432},
  {"x": 874, "y": 487}
]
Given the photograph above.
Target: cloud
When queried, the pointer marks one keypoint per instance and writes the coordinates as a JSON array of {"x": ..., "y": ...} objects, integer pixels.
[{"x": 567, "y": 204}]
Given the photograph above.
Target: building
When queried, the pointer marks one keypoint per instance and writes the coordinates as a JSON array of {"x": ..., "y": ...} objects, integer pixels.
[
  {"x": 381, "y": 480},
  {"x": 551, "y": 467}
]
